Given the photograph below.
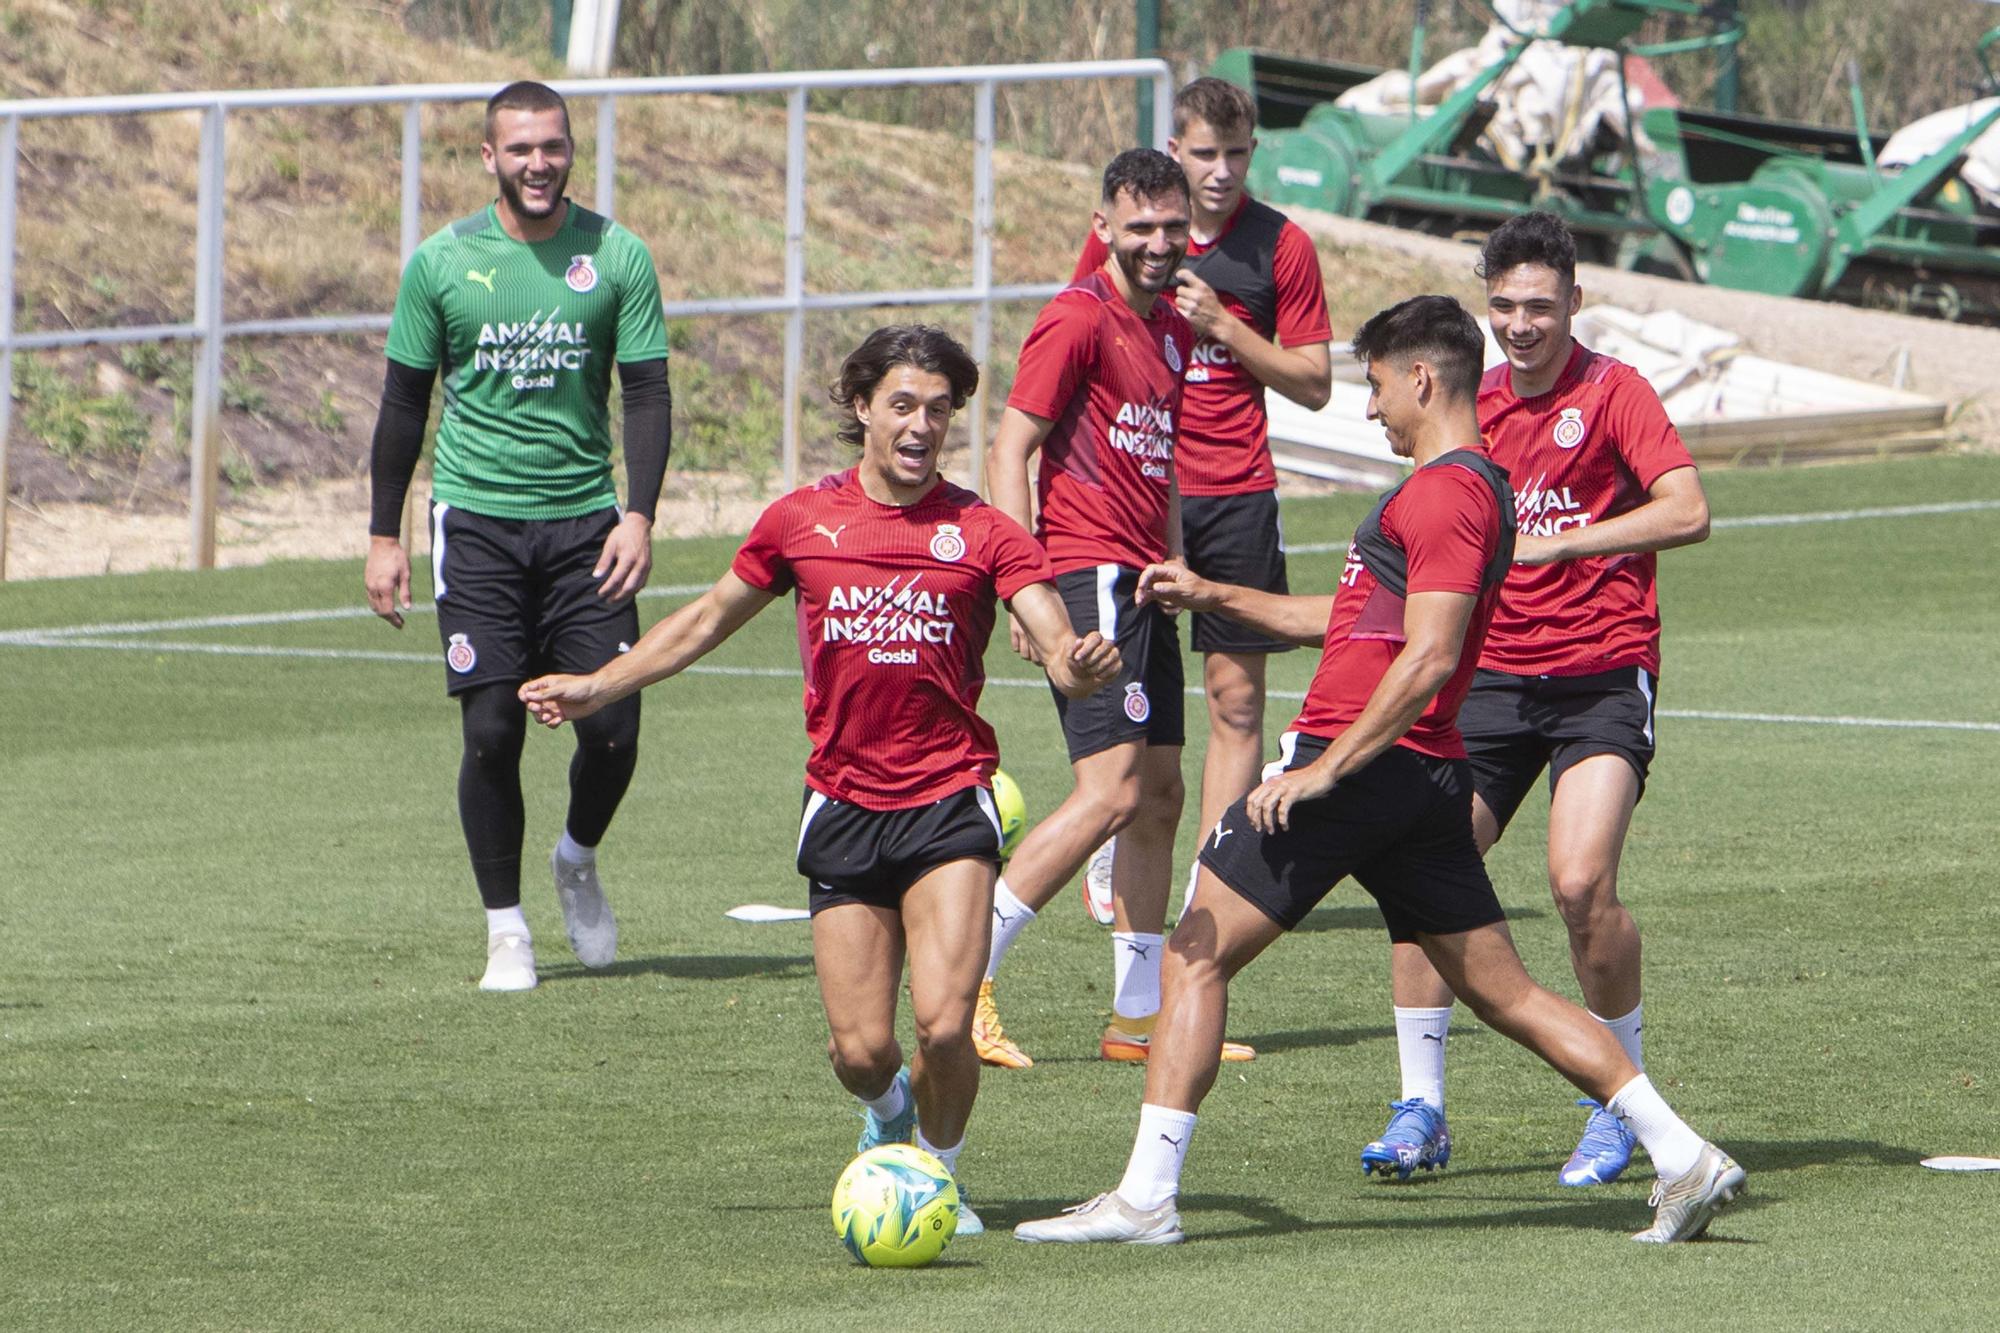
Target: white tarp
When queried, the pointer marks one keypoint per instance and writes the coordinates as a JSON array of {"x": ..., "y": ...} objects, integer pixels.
[
  {"x": 1550, "y": 105},
  {"x": 1920, "y": 138}
]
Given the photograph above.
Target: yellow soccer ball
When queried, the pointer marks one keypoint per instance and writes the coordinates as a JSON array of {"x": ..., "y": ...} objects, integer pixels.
[
  {"x": 895, "y": 1206},
  {"x": 1013, "y": 812}
]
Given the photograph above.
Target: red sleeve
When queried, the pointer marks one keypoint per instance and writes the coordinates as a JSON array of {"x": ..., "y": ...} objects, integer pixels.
[
  {"x": 1058, "y": 356},
  {"x": 1449, "y": 526},
  {"x": 1015, "y": 559},
  {"x": 1302, "y": 317},
  {"x": 760, "y": 561},
  {"x": 1646, "y": 440},
  {"x": 1095, "y": 252}
]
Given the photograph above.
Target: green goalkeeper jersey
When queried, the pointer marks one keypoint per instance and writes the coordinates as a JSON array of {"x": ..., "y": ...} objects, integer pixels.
[{"x": 525, "y": 334}]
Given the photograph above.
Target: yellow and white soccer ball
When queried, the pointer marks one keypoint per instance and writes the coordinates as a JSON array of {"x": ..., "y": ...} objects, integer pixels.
[
  {"x": 895, "y": 1206},
  {"x": 1013, "y": 812}
]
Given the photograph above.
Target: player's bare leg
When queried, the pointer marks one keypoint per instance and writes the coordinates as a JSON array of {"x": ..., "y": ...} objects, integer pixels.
[
  {"x": 1233, "y": 684},
  {"x": 1143, "y": 875},
  {"x": 858, "y": 955},
  {"x": 1588, "y": 819},
  {"x": 946, "y": 917},
  {"x": 1213, "y": 941},
  {"x": 1103, "y": 801}
]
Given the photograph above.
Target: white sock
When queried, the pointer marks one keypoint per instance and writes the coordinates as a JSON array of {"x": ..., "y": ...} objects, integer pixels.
[
  {"x": 1153, "y": 1175},
  {"x": 574, "y": 852},
  {"x": 1010, "y": 917},
  {"x": 506, "y": 921},
  {"x": 949, "y": 1156},
  {"x": 1667, "y": 1138},
  {"x": 1135, "y": 971},
  {"x": 890, "y": 1104},
  {"x": 1420, "y": 1035},
  {"x": 1626, "y": 1029}
]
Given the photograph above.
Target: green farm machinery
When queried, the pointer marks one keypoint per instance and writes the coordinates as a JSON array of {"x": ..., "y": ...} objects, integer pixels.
[{"x": 1713, "y": 196}]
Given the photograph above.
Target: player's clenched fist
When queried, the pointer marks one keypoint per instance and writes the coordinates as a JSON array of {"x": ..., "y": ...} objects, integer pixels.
[
  {"x": 555, "y": 700},
  {"x": 1092, "y": 661}
]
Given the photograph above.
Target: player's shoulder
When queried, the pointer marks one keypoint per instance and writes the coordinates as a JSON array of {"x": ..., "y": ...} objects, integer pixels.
[
  {"x": 1454, "y": 482},
  {"x": 1495, "y": 382},
  {"x": 456, "y": 232},
  {"x": 1612, "y": 377}
]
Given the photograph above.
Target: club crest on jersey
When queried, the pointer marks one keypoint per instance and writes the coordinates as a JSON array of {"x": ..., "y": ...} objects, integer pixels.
[
  {"x": 1137, "y": 706},
  {"x": 460, "y": 655},
  {"x": 1172, "y": 353},
  {"x": 949, "y": 544},
  {"x": 582, "y": 275},
  {"x": 1569, "y": 428}
]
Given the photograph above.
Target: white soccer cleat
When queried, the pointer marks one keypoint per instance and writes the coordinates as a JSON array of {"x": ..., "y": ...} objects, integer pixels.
[
  {"x": 1685, "y": 1205},
  {"x": 1106, "y": 1218},
  {"x": 593, "y": 931},
  {"x": 510, "y": 963},
  {"x": 1097, "y": 883}
]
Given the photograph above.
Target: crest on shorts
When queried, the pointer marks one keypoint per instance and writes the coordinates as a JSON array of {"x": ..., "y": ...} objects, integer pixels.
[
  {"x": 1137, "y": 707},
  {"x": 1172, "y": 353},
  {"x": 460, "y": 655},
  {"x": 949, "y": 544},
  {"x": 582, "y": 275},
  {"x": 1569, "y": 428}
]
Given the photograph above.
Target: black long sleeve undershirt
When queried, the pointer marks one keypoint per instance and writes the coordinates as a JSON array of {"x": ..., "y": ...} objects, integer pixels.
[
  {"x": 649, "y": 432},
  {"x": 399, "y": 441}
]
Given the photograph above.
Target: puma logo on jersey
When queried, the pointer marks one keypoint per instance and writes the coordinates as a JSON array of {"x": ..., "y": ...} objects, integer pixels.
[
  {"x": 483, "y": 279},
  {"x": 831, "y": 534}
]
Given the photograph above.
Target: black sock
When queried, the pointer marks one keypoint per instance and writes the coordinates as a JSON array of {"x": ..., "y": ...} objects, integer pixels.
[{"x": 489, "y": 791}]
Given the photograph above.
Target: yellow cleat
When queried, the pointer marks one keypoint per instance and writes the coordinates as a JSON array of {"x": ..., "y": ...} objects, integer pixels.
[
  {"x": 989, "y": 1038},
  {"x": 1128, "y": 1039}
]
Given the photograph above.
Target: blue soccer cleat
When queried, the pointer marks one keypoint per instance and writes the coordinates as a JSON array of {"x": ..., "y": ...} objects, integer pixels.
[
  {"x": 897, "y": 1128},
  {"x": 1603, "y": 1153},
  {"x": 1416, "y": 1137}
]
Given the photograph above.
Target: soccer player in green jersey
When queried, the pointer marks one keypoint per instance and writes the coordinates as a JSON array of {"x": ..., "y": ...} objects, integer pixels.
[{"x": 525, "y": 306}]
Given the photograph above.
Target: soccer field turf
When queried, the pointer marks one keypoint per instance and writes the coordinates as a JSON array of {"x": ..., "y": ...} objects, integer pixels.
[{"x": 247, "y": 1081}]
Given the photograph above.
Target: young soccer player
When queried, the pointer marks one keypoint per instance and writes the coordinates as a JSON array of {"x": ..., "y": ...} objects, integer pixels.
[
  {"x": 527, "y": 305},
  {"x": 1569, "y": 676},
  {"x": 1251, "y": 288},
  {"x": 1375, "y": 784},
  {"x": 895, "y": 572},
  {"x": 1098, "y": 393}
]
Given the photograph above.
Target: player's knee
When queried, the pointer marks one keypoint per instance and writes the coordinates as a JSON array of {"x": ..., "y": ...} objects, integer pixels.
[
  {"x": 1236, "y": 713},
  {"x": 1583, "y": 894},
  {"x": 1114, "y": 804},
  {"x": 495, "y": 725},
  {"x": 614, "y": 730},
  {"x": 941, "y": 1033},
  {"x": 863, "y": 1059}
]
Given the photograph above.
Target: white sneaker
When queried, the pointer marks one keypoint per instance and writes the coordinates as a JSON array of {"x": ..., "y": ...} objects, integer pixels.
[
  {"x": 1687, "y": 1204},
  {"x": 510, "y": 963},
  {"x": 968, "y": 1221},
  {"x": 593, "y": 931},
  {"x": 1097, "y": 883},
  {"x": 1107, "y": 1217}
]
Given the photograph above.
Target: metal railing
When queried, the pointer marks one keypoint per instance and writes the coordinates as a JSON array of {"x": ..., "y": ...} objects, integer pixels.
[{"x": 210, "y": 325}]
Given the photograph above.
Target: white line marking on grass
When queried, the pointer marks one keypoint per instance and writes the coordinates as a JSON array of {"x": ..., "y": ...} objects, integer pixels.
[
  {"x": 1769, "y": 520},
  {"x": 39, "y": 640}
]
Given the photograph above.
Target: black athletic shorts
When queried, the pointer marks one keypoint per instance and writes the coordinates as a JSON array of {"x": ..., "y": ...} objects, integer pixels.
[
  {"x": 516, "y": 597},
  {"x": 1234, "y": 539},
  {"x": 1514, "y": 726},
  {"x": 1146, "y": 702},
  {"x": 1402, "y": 827},
  {"x": 849, "y": 854}
]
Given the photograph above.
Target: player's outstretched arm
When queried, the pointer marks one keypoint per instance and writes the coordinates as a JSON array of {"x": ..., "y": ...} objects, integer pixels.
[
  {"x": 1675, "y": 514},
  {"x": 1300, "y": 620},
  {"x": 1434, "y": 625},
  {"x": 667, "y": 649},
  {"x": 1076, "y": 666},
  {"x": 1303, "y": 374}
]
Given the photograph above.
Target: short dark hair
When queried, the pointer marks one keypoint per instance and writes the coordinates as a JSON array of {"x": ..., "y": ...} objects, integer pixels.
[
  {"x": 924, "y": 346},
  {"x": 1434, "y": 329},
  {"x": 525, "y": 95},
  {"x": 1144, "y": 173},
  {"x": 1217, "y": 103},
  {"x": 1529, "y": 238}
]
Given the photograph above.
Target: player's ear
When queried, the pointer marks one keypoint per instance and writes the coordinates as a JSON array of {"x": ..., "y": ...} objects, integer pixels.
[
  {"x": 860, "y": 406},
  {"x": 1101, "y": 225},
  {"x": 1575, "y": 297}
]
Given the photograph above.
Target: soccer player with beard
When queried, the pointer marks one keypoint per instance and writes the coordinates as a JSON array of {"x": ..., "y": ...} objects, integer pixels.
[
  {"x": 895, "y": 572},
  {"x": 526, "y": 305},
  {"x": 1372, "y": 781},
  {"x": 1098, "y": 393},
  {"x": 1570, "y": 673},
  {"x": 1251, "y": 287}
]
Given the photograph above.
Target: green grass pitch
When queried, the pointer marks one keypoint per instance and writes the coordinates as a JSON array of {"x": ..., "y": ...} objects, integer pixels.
[{"x": 246, "y": 1080}]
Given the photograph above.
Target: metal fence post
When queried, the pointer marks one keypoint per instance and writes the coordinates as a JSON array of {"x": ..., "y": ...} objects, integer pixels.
[
  {"x": 607, "y": 153},
  {"x": 413, "y": 179},
  {"x": 10, "y": 145},
  {"x": 795, "y": 275},
  {"x": 1163, "y": 109},
  {"x": 982, "y": 270},
  {"x": 205, "y": 433}
]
